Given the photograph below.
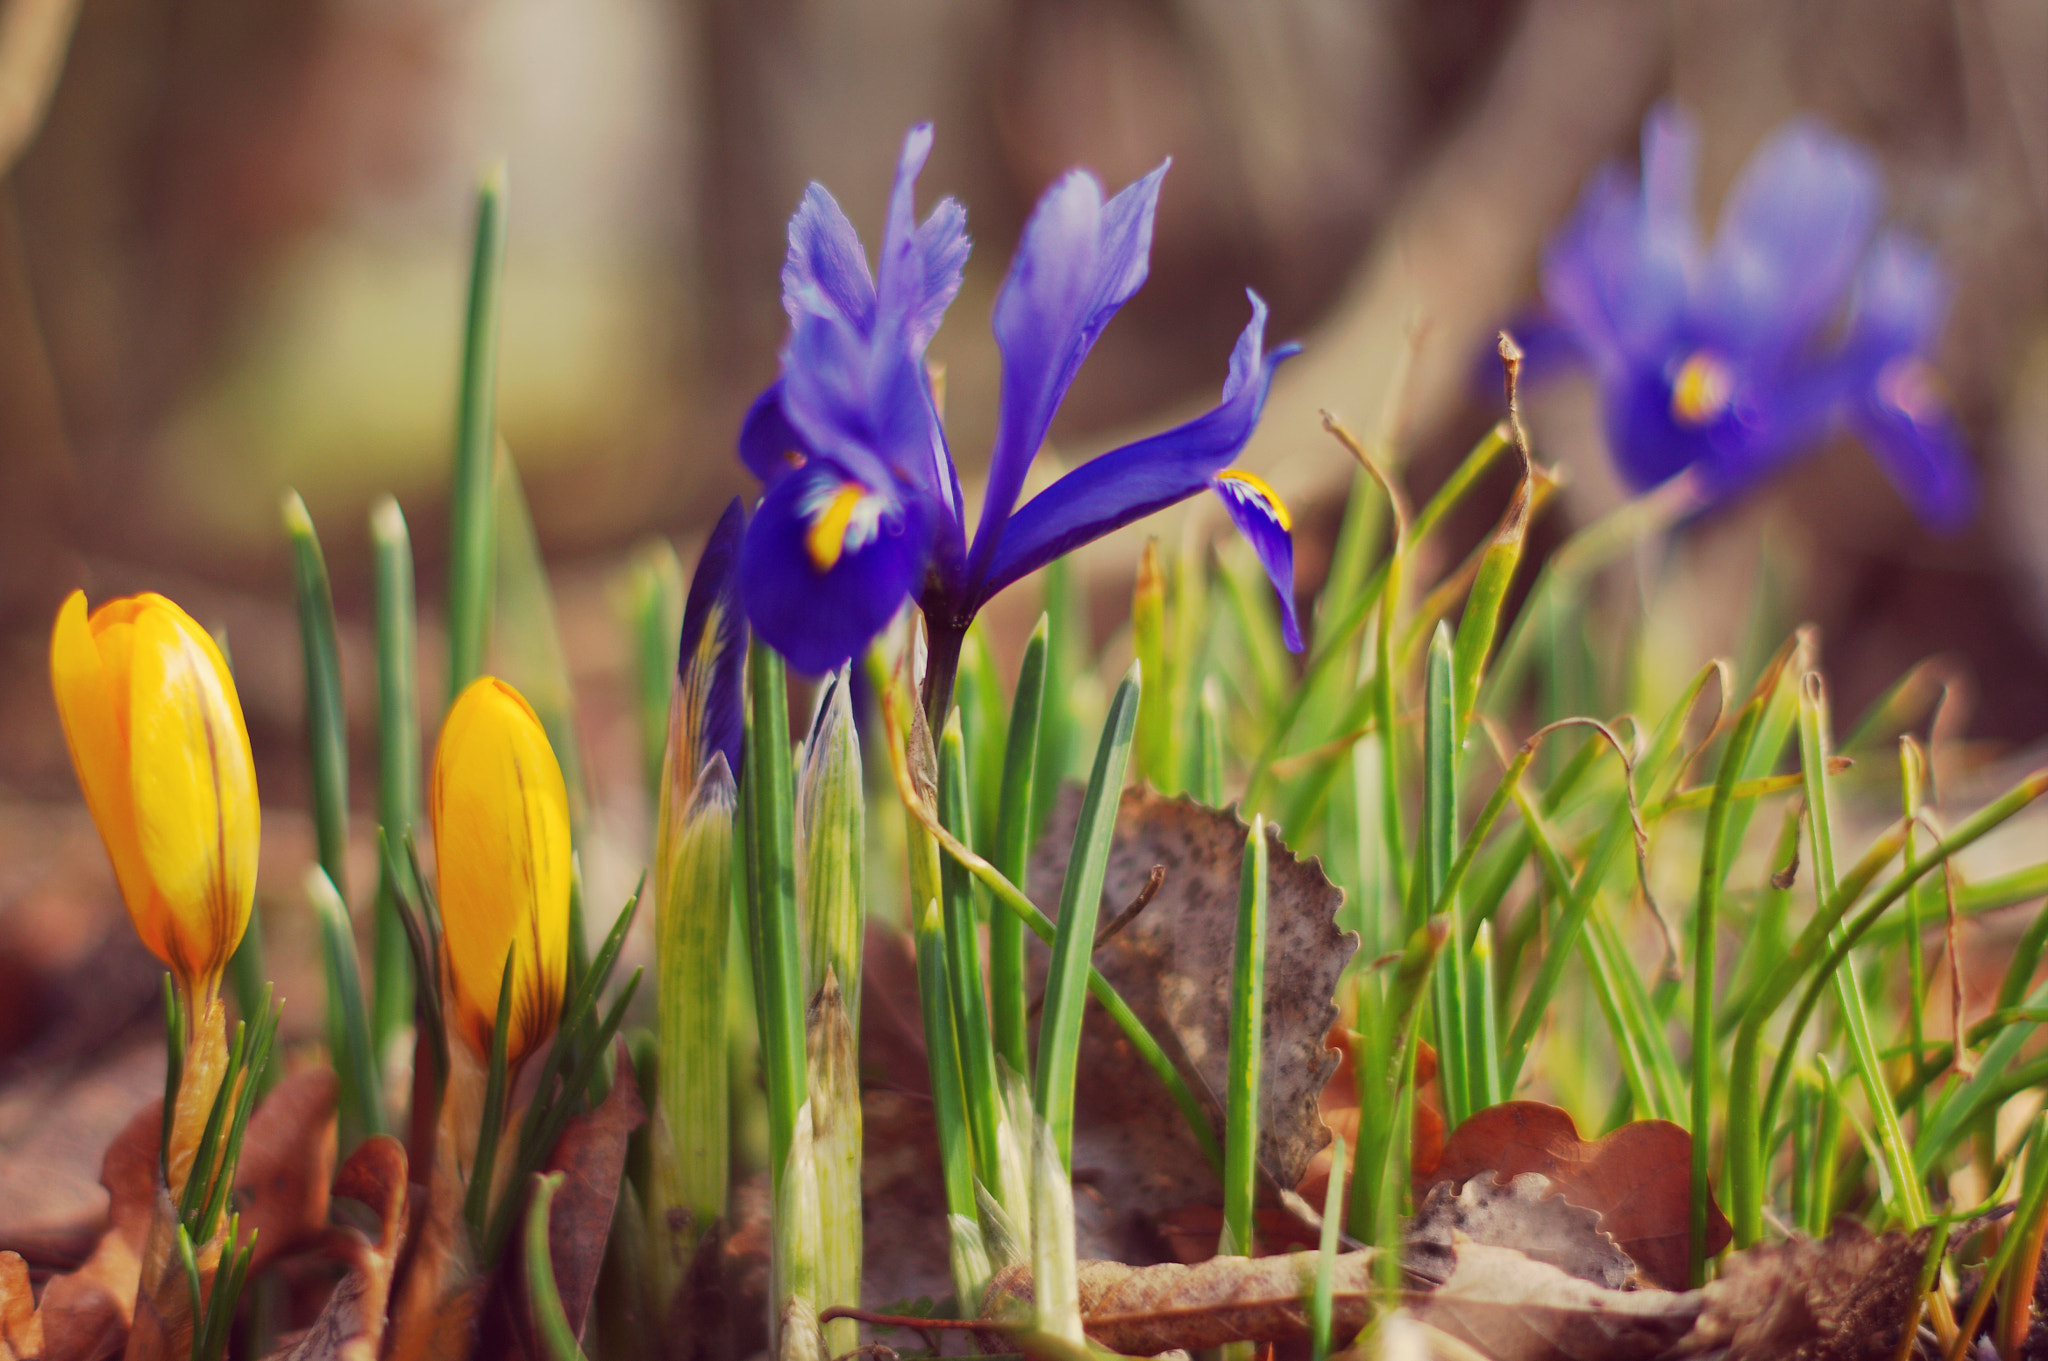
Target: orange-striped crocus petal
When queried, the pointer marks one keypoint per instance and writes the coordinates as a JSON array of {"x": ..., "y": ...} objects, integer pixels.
[
  {"x": 500, "y": 816},
  {"x": 156, "y": 735}
]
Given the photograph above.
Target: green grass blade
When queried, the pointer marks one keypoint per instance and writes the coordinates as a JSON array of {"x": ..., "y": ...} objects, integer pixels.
[
  {"x": 652, "y": 598},
  {"x": 1321, "y": 1301},
  {"x": 471, "y": 534},
  {"x": 1439, "y": 848},
  {"x": 1247, "y": 1049},
  {"x": 980, "y": 1094},
  {"x": 361, "y": 1105},
  {"x": 1012, "y": 843},
  {"x": 526, "y": 641},
  {"x": 1155, "y": 752},
  {"x": 398, "y": 759},
  {"x": 771, "y": 884},
  {"x": 326, "y": 716},
  {"x": 1059, "y": 1031},
  {"x": 543, "y": 1297}
]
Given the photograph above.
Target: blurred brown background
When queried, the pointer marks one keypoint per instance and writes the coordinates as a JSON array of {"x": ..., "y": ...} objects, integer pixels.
[{"x": 232, "y": 260}]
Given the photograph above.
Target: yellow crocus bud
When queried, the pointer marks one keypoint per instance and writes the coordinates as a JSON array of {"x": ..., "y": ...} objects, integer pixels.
[
  {"x": 156, "y": 735},
  {"x": 500, "y": 814}
]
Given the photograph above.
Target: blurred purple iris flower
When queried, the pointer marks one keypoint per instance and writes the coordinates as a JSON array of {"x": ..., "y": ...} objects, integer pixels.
[
  {"x": 1733, "y": 359},
  {"x": 862, "y": 506}
]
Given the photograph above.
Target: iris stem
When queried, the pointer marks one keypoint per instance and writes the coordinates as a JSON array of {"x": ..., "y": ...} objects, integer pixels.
[{"x": 942, "y": 665}]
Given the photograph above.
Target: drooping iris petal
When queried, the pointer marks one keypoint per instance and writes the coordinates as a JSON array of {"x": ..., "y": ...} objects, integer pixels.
[
  {"x": 1906, "y": 422},
  {"x": 1896, "y": 403},
  {"x": 821, "y": 574},
  {"x": 1792, "y": 232},
  {"x": 1079, "y": 260},
  {"x": 1261, "y": 516},
  {"x": 500, "y": 814},
  {"x": 1127, "y": 484},
  {"x": 712, "y": 654}
]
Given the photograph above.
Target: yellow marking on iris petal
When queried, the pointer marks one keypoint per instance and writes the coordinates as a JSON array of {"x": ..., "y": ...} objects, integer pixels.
[
  {"x": 825, "y": 540},
  {"x": 1702, "y": 390},
  {"x": 1264, "y": 491}
]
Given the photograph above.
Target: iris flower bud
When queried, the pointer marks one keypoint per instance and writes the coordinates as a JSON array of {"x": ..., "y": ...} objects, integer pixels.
[
  {"x": 500, "y": 815},
  {"x": 156, "y": 736}
]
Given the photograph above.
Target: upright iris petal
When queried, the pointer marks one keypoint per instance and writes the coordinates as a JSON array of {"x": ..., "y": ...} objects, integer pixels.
[
  {"x": 862, "y": 507},
  {"x": 1080, "y": 260},
  {"x": 1730, "y": 358}
]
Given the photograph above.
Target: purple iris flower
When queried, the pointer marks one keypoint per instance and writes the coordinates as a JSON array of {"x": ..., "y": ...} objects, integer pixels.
[
  {"x": 862, "y": 506},
  {"x": 1802, "y": 316}
]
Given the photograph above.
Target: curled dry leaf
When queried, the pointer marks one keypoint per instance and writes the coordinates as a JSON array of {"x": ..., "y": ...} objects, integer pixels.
[
  {"x": 1523, "y": 1213},
  {"x": 1842, "y": 1298},
  {"x": 591, "y": 1157},
  {"x": 1172, "y": 964},
  {"x": 21, "y": 1332},
  {"x": 350, "y": 1326},
  {"x": 1144, "y": 1311},
  {"x": 85, "y": 1313},
  {"x": 1637, "y": 1179},
  {"x": 1511, "y": 1308}
]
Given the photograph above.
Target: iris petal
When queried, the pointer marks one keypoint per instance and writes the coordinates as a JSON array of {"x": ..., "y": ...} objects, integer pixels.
[
  {"x": 769, "y": 445},
  {"x": 1127, "y": 484},
  {"x": 1907, "y": 424},
  {"x": 1079, "y": 260},
  {"x": 826, "y": 268},
  {"x": 1260, "y": 515},
  {"x": 1794, "y": 228},
  {"x": 920, "y": 271},
  {"x": 713, "y": 649},
  {"x": 818, "y": 620}
]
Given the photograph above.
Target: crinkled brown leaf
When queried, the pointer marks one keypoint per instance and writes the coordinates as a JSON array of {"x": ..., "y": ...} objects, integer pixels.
[
  {"x": 1523, "y": 1213},
  {"x": 21, "y": 1332},
  {"x": 55, "y": 1130},
  {"x": 85, "y": 1313},
  {"x": 1143, "y": 1311},
  {"x": 1843, "y": 1298},
  {"x": 1637, "y": 1179},
  {"x": 350, "y": 1326},
  {"x": 1511, "y": 1308},
  {"x": 591, "y": 1157},
  {"x": 1172, "y": 964}
]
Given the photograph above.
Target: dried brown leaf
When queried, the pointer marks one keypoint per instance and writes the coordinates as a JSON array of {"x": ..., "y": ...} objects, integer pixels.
[
  {"x": 21, "y": 1332},
  {"x": 86, "y": 1313},
  {"x": 1172, "y": 964},
  {"x": 350, "y": 1326},
  {"x": 1637, "y": 1179},
  {"x": 1511, "y": 1308},
  {"x": 591, "y": 1157},
  {"x": 1523, "y": 1213},
  {"x": 1144, "y": 1311},
  {"x": 1842, "y": 1298}
]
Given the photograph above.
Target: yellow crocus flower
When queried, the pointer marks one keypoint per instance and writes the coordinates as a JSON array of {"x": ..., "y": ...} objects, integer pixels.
[
  {"x": 156, "y": 735},
  {"x": 500, "y": 815}
]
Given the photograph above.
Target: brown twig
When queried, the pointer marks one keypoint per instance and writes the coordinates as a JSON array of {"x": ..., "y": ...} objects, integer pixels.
[{"x": 1154, "y": 881}]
